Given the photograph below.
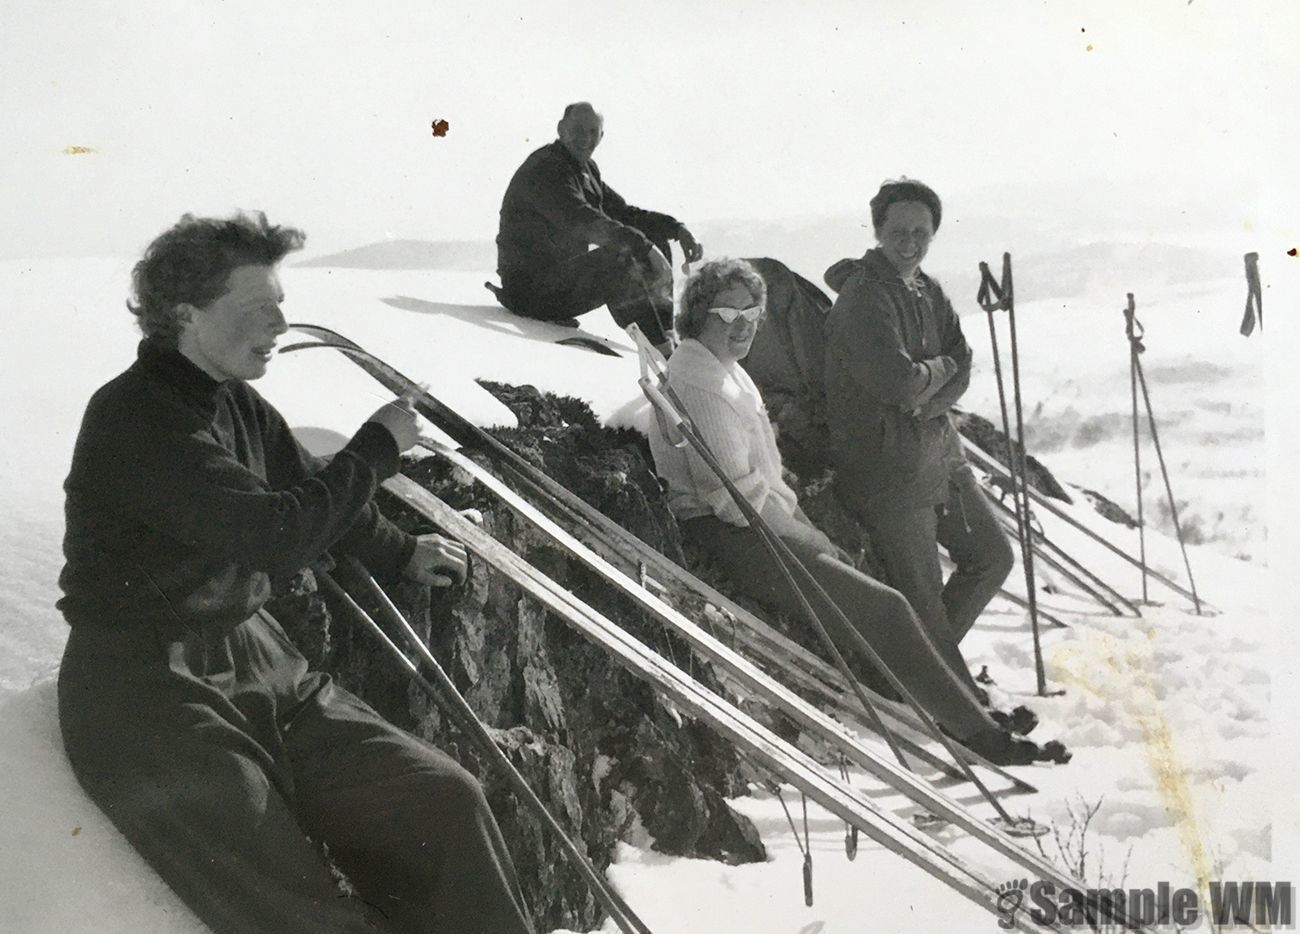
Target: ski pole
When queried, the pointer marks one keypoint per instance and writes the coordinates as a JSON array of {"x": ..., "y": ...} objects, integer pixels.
[
  {"x": 1019, "y": 601},
  {"x": 789, "y": 564},
  {"x": 662, "y": 409},
  {"x": 660, "y": 404},
  {"x": 1134, "y": 331},
  {"x": 446, "y": 696},
  {"x": 994, "y": 296},
  {"x": 787, "y": 560},
  {"x": 1164, "y": 470}
]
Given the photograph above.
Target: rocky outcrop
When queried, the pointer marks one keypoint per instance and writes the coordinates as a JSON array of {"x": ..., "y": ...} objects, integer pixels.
[
  {"x": 609, "y": 757},
  {"x": 983, "y": 433},
  {"x": 1109, "y": 509},
  {"x": 994, "y": 442}
]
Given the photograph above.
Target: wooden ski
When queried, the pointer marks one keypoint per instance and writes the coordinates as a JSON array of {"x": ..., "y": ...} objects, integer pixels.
[{"x": 992, "y": 464}]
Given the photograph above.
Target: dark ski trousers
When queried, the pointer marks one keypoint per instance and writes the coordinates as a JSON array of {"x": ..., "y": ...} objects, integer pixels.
[
  {"x": 879, "y": 614},
  {"x": 603, "y": 276},
  {"x": 906, "y": 544},
  {"x": 217, "y": 755}
]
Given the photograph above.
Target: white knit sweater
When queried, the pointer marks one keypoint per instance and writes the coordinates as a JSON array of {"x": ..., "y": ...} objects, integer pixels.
[{"x": 729, "y": 415}]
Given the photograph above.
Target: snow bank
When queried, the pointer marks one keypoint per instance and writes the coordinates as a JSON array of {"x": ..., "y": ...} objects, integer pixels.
[{"x": 64, "y": 866}]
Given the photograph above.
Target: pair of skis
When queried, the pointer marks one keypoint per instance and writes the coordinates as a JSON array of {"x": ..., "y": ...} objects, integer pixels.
[
  {"x": 1061, "y": 561},
  {"x": 991, "y": 464},
  {"x": 616, "y": 543},
  {"x": 758, "y": 743}
]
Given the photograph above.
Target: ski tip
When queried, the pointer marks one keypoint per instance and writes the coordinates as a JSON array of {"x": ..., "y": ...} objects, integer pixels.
[{"x": 590, "y": 343}]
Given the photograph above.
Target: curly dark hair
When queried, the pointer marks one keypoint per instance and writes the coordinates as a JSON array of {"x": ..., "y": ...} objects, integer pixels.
[
  {"x": 190, "y": 263},
  {"x": 905, "y": 189},
  {"x": 710, "y": 280}
]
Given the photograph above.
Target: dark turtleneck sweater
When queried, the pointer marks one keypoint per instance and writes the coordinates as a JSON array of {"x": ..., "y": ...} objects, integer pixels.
[{"x": 189, "y": 500}]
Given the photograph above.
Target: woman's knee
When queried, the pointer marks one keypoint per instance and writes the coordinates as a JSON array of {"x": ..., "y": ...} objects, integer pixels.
[
  {"x": 885, "y": 603},
  {"x": 898, "y": 607},
  {"x": 1001, "y": 558}
]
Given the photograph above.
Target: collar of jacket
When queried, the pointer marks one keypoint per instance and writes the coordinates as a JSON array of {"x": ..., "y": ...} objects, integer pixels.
[
  {"x": 171, "y": 367},
  {"x": 878, "y": 269},
  {"x": 569, "y": 159}
]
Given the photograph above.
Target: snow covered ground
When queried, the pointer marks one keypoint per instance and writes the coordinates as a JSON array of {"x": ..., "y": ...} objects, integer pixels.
[{"x": 1170, "y": 717}]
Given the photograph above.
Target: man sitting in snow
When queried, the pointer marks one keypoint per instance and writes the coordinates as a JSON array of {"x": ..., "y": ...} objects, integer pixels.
[
  {"x": 555, "y": 208},
  {"x": 187, "y": 714}
]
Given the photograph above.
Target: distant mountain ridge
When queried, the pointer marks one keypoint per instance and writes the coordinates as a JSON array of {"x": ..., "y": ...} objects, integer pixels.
[
  {"x": 1046, "y": 263},
  {"x": 451, "y": 255}
]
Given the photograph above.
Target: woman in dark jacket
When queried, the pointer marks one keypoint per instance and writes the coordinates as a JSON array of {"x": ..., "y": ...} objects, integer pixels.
[{"x": 896, "y": 361}]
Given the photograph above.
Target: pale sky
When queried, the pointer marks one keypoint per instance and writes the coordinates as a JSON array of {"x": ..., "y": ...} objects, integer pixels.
[{"x": 320, "y": 112}]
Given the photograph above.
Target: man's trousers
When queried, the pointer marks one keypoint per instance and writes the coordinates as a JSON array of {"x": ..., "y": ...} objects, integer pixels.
[{"x": 630, "y": 286}]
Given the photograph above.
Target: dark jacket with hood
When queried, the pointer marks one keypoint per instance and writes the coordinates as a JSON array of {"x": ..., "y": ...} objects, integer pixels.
[
  {"x": 189, "y": 500},
  {"x": 896, "y": 361},
  {"x": 787, "y": 362},
  {"x": 555, "y": 207}
]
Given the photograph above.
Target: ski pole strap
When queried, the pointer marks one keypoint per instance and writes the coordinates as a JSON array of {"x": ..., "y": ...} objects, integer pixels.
[
  {"x": 650, "y": 358},
  {"x": 798, "y": 841},
  {"x": 805, "y": 847},
  {"x": 850, "y": 831},
  {"x": 1254, "y": 297},
  {"x": 807, "y": 855},
  {"x": 994, "y": 295},
  {"x": 666, "y": 267},
  {"x": 1133, "y": 328}
]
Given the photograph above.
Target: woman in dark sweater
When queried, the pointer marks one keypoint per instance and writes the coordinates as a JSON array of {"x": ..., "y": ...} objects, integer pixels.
[{"x": 187, "y": 714}]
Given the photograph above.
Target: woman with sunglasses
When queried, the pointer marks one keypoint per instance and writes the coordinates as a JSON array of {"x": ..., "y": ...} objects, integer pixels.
[{"x": 720, "y": 311}]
